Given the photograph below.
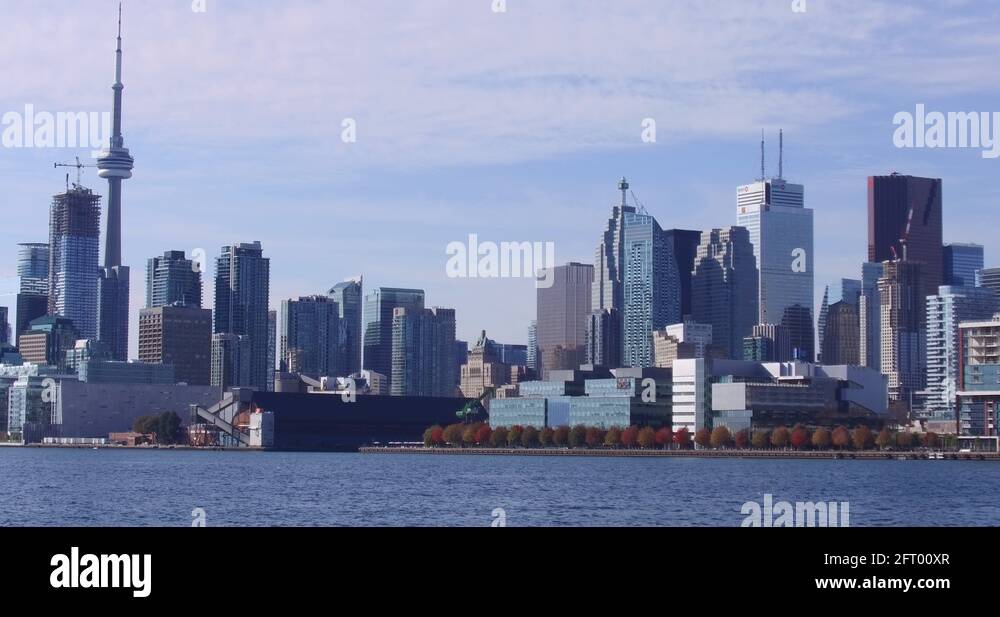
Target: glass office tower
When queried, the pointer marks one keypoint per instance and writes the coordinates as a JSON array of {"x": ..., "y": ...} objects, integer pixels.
[
  {"x": 74, "y": 251},
  {"x": 651, "y": 288}
]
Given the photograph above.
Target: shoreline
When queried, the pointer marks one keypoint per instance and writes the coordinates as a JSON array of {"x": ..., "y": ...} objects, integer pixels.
[{"x": 599, "y": 453}]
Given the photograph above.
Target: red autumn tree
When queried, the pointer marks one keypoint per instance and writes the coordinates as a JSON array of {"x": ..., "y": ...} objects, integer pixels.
[
  {"x": 703, "y": 438},
  {"x": 841, "y": 437},
  {"x": 799, "y": 437},
  {"x": 780, "y": 437},
  {"x": 483, "y": 435},
  {"x": 560, "y": 437},
  {"x": 930, "y": 440},
  {"x": 742, "y": 439},
  {"x": 862, "y": 438},
  {"x": 594, "y": 438},
  {"x": 630, "y": 436},
  {"x": 664, "y": 437},
  {"x": 682, "y": 439}
]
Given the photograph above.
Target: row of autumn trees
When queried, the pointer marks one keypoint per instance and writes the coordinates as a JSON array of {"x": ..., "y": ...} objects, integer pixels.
[
  {"x": 481, "y": 435},
  {"x": 798, "y": 437}
]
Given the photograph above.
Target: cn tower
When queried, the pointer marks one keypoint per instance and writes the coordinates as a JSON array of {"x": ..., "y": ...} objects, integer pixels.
[
  {"x": 113, "y": 283},
  {"x": 115, "y": 163}
]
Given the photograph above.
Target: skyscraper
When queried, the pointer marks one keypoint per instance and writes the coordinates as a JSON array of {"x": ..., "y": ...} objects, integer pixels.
[
  {"x": 978, "y": 396},
  {"x": 180, "y": 336},
  {"x": 173, "y": 279},
  {"x": 242, "y": 292},
  {"x": 562, "y": 312},
  {"x": 231, "y": 361},
  {"x": 533, "y": 345},
  {"x": 781, "y": 232},
  {"x": 990, "y": 279},
  {"x": 33, "y": 290},
  {"x": 115, "y": 163},
  {"x": 768, "y": 343},
  {"x": 945, "y": 311},
  {"x": 423, "y": 352},
  {"x": 903, "y": 336},
  {"x": 870, "y": 316},
  {"x": 272, "y": 348},
  {"x": 604, "y": 327},
  {"x": 4, "y": 327},
  {"x": 348, "y": 296},
  {"x": 74, "y": 239},
  {"x": 724, "y": 288},
  {"x": 842, "y": 342},
  {"x": 651, "y": 288},
  {"x": 961, "y": 262},
  {"x": 310, "y": 337},
  {"x": 380, "y": 303},
  {"x": 905, "y": 222},
  {"x": 683, "y": 244}
]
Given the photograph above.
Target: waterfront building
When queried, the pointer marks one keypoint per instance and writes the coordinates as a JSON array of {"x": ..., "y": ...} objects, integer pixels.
[
  {"x": 380, "y": 304},
  {"x": 979, "y": 385},
  {"x": 242, "y": 295},
  {"x": 724, "y": 288},
  {"x": 562, "y": 311},
  {"x": 173, "y": 279},
  {"x": 945, "y": 312},
  {"x": 180, "y": 336}
]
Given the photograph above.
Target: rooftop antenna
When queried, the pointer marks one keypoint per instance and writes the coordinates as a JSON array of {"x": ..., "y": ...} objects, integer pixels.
[
  {"x": 781, "y": 154},
  {"x": 623, "y": 187},
  {"x": 763, "y": 174}
]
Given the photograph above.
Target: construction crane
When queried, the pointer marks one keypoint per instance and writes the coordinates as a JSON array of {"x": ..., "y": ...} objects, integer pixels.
[{"x": 79, "y": 171}]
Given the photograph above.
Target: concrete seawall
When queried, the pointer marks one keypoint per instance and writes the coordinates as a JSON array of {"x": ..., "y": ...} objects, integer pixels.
[{"x": 788, "y": 454}]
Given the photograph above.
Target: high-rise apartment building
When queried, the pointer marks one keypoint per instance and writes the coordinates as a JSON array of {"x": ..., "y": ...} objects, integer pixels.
[
  {"x": 310, "y": 337},
  {"x": 533, "y": 345},
  {"x": 180, "y": 336},
  {"x": 562, "y": 312},
  {"x": 945, "y": 312},
  {"x": 380, "y": 304},
  {"x": 33, "y": 290},
  {"x": 903, "y": 341},
  {"x": 74, "y": 245},
  {"x": 173, "y": 279},
  {"x": 349, "y": 297},
  {"x": 423, "y": 352},
  {"x": 724, "y": 288},
  {"x": 979, "y": 386},
  {"x": 242, "y": 293},
  {"x": 232, "y": 364}
]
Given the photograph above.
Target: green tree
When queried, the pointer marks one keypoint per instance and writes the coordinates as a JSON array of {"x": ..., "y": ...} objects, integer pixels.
[
  {"x": 780, "y": 438},
  {"x": 613, "y": 438},
  {"x": 761, "y": 439},
  {"x": 703, "y": 438},
  {"x": 146, "y": 424},
  {"x": 721, "y": 438},
  {"x": 821, "y": 439},
  {"x": 499, "y": 437},
  {"x": 841, "y": 437},
  {"x": 647, "y": 438},
  {"x": 529, "y": 439},
  {"x": 168, "y": 428},
  {"x": 577, "y": 436},
  {"x": 545, "y": 437},
  {"x": 862, "y": 438}
]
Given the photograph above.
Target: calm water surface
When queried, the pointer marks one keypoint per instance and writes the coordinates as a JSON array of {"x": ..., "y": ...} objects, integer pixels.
[{"x": 140, "y": 488}]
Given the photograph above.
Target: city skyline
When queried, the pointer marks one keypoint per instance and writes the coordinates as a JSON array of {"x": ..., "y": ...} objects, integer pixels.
[{"x": 558, "y": 191}]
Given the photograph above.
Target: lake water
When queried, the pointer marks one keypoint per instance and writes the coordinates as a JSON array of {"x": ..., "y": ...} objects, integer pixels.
[{"x": 50, "y": 487}]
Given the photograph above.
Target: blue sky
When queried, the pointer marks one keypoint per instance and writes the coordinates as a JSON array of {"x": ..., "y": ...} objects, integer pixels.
[{"x": 514, "y": 126}]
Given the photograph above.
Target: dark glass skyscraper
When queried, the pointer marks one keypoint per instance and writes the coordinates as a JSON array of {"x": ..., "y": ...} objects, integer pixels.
[
  {"x": 173, "y": 279},
  {"x": 348, "y": 296},
  {"x": 683, "y": 244},
  {"x": 379, "y": 306},
  {"x": 74, "y": 240},
  {"x": 961, "y": 262},
  {"x": 112, "y": 310},
  {"x": 905, "y": 222},
  {"x": 242, "y": 292}
]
